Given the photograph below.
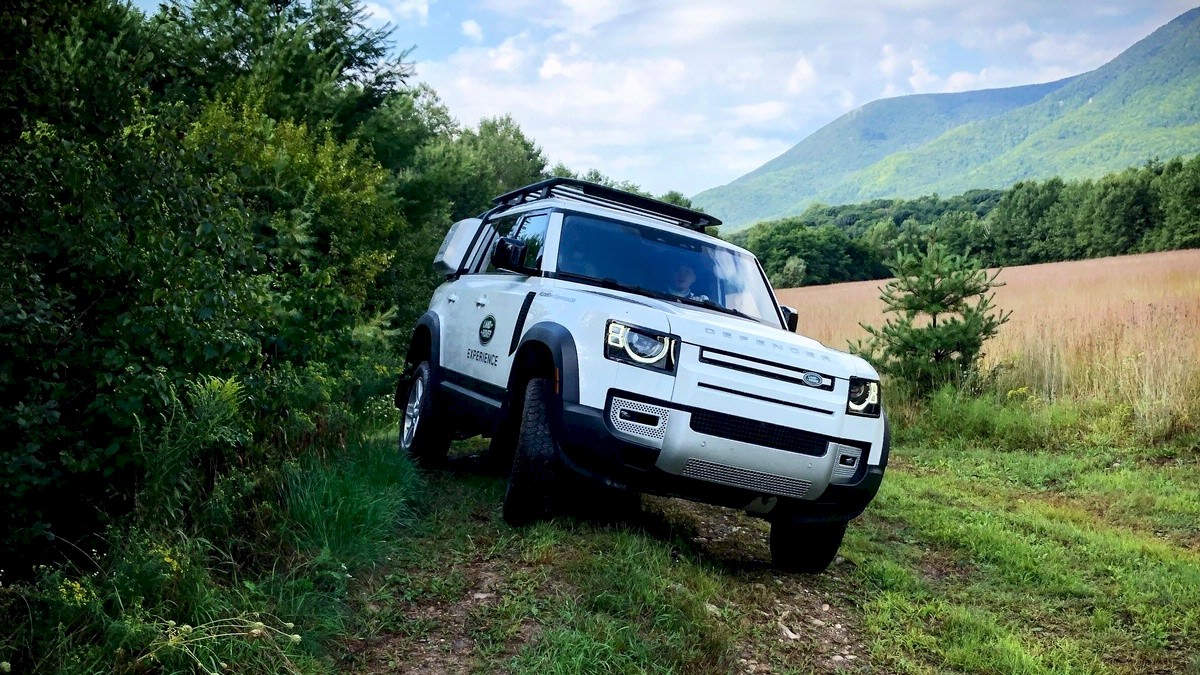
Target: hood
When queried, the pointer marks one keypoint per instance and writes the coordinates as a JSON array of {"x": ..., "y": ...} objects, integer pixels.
[
  {"x": 756, "y": 340},
  {"x": 712, "y": 329}
]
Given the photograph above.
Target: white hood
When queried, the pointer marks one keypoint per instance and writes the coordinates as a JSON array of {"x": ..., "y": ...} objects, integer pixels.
[
  {"x": 715, "y": 330},
  {"x": 756, "y": 340}
]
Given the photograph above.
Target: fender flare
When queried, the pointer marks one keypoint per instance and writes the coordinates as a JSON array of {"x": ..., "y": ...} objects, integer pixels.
[
  {"x": 561, "y": 344},
  {"x": 433, "y": 324}
]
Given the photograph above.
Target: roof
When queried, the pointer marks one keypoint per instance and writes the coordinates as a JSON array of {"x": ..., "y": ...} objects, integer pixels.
[{"x": 573, "y": 189}]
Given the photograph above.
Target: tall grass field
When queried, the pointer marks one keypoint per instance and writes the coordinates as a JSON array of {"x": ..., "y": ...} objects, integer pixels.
[{"x": 1118, "y": 332}]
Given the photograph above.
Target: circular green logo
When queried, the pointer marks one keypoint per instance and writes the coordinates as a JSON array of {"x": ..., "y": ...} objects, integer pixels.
[{"x": 487, "y": 329}]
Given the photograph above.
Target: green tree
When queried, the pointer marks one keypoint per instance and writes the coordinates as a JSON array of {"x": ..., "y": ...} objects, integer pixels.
[
  {"x": 1179, "y": 192},
  {"x": 500, "y": 157},
  {"x": 942, "y": 303},
  {"x": 1017, "y": 222},
  {"x": 792, "y": 274},
  {"x": 314, "y": 61}
]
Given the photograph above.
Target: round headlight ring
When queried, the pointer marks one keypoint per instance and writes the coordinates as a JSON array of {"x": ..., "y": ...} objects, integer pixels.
[{"x": 645, "y": 348}]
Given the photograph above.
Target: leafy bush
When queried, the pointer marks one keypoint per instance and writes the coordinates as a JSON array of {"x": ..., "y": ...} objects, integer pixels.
[{"x": 251, "y": 574}]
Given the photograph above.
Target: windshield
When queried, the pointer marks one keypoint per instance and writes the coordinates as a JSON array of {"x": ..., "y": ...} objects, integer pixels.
[{"x": 664, "y": 264}]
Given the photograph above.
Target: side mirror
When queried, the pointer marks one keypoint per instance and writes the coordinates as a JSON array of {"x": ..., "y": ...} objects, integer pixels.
[
  {"x": 791, "y": 317},
  {"x": 509, "y": 254}
]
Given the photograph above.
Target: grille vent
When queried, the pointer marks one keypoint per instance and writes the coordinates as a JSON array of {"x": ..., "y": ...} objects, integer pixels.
[
  {"x": 841, "y": 472},
  {"x": 766, "y": 483},
  {"x": 656, "y": 432},
  {"x": 759, "y": 433}
]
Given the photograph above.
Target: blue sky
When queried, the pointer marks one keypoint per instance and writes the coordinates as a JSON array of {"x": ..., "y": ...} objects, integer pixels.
[{"x": 687, "y": 95}]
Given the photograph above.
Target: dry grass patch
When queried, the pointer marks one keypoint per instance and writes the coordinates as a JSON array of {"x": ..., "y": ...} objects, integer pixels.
[{"x": 1123, "y": 331}]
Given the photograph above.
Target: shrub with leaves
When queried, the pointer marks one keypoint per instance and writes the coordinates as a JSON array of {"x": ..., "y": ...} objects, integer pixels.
[{"x": 943, "y": 313}]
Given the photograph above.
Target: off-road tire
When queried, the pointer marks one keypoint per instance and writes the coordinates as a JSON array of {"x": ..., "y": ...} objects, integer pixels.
[
  {"x": 535, "y": 459},
  {"x": 423, "y": 432},
  {"x": 808, "y": 548}
]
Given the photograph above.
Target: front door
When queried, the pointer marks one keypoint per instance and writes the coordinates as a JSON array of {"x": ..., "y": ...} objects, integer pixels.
[{"x": 493, "y": 300}]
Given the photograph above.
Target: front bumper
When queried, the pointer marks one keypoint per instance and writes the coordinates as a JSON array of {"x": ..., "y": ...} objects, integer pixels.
[{"x": 678, "y": 460}]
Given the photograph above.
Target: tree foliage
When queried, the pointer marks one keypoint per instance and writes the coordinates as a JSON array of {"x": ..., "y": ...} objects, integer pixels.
[
  {"x": 240, "y": 189},
  {"x": 943, "y": 313},
  {"x": 1142, "y": 209}
]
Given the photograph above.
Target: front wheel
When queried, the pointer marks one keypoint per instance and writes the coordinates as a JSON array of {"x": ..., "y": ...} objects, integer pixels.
[
  {"x": 535, "y": 459},
  {"x": 805, "y": 547},
  {"x": 423, "y": 433}
]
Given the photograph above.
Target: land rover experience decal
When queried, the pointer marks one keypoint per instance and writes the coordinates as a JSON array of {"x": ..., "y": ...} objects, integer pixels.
[{"x": 487, "y": 329}]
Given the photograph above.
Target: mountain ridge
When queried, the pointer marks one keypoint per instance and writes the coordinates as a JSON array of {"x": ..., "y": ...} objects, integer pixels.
[{"x": 1140, "y": 105}]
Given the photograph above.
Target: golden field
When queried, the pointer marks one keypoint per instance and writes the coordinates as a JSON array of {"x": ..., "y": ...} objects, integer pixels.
[{"x": 1121, "y": 331}]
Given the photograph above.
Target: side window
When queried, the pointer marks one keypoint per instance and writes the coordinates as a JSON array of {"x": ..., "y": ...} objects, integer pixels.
[
  {"x": 481, "y": 259},
  {"x": 532, "y": 231}
]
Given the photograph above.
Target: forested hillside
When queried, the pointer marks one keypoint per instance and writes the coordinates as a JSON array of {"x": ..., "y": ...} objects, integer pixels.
[
  {"x": 855, "y": 141},
  {"x": 1139, "y": 106},
  {"x": 1151, "y": 208}
]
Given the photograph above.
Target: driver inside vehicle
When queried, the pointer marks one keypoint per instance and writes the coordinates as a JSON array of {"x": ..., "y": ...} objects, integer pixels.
[
  {"x": 575, "y": 260},
  {"x": 681, "y": 283}
]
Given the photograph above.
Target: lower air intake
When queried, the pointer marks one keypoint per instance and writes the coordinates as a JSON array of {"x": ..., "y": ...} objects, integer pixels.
[
  {"x": 766, "y": 483},
  {"x": 637, "y": 422}
]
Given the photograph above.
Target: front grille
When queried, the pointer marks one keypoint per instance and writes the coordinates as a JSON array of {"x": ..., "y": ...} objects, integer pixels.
[
  {"x": 759, "y": 433},
  {"x": 761, "y": 368},
  {"x": 766, "y": 483}
]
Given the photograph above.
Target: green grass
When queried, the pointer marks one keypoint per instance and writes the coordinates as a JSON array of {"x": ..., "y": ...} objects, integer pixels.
[
  {"x": 1072, "y": 555},
  {"x": 171, "y": 599},
  {"x": 1006, "y": 539},
  {"x": 350, "y": 508}
]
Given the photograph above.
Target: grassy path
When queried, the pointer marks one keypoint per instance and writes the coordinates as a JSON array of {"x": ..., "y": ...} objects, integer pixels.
[{"x": 971, "y": 560}]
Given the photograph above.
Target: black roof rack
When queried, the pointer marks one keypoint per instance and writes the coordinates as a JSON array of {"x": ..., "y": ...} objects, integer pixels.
[{"x": 599, "y": 195}]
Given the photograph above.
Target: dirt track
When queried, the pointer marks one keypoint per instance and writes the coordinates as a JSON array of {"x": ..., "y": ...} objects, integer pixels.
[{"x": 783, "y": 622}]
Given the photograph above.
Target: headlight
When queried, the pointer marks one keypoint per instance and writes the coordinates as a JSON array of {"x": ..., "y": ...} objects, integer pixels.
[
  {"x": 640, "y": 347},
  {"x": 863, "y": 399}
]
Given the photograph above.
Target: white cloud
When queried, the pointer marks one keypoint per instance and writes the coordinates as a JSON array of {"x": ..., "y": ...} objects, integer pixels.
[
  {"x": 890, "y": 62},
  {"x": 803, "y": 76},
  {"x": 509, "y": 57},
  {"x": 394, "y": 11},
  {"x": 676, "y": 94},
  {"x": 922, "y": 79},
  {"x": 758, "y": 113},
  {"x": 1071, "y": 50},
  {"x": 473, "y": 30}
]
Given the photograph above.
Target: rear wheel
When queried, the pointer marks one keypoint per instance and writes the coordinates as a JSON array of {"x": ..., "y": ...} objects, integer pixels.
[
  {"x": 535, "y": 459},
  {"x": 423, "y": 433},
  {"x": 805, "y": 547}
]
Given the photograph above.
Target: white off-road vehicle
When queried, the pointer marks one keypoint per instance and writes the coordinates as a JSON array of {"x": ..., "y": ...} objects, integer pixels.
[{"x": 600, "y": 335}]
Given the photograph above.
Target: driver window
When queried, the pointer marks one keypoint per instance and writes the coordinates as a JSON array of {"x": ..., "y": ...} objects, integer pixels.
[
  {"x": 492, "y": 230},
  {"x": 532, "y": 231}
]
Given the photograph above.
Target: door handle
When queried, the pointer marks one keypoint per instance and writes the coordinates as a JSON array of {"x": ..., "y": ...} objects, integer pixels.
[
  {"x": 452, "y": 298},
  {"x": 481, "y": 301}
]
